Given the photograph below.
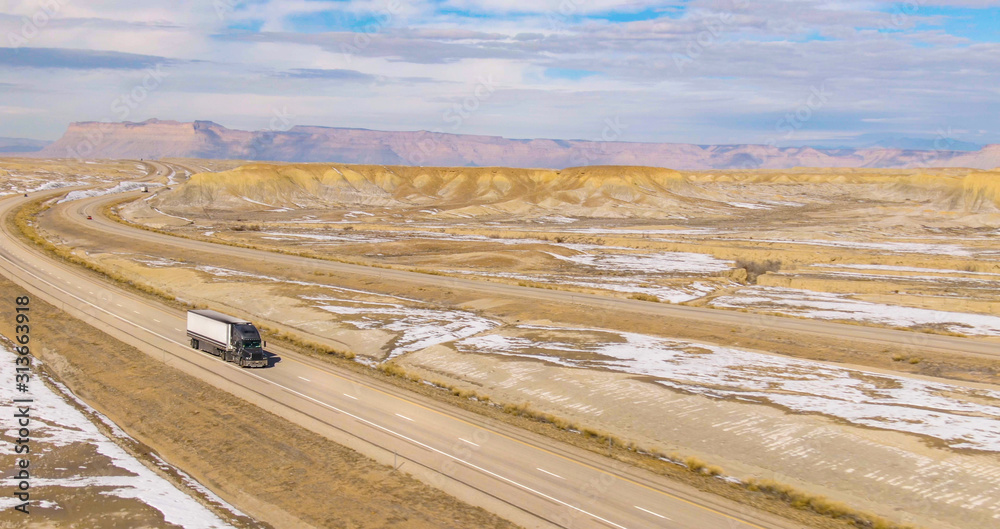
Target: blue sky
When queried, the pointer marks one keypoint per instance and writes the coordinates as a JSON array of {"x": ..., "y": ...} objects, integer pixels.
[{"x": 691, "y": 71}]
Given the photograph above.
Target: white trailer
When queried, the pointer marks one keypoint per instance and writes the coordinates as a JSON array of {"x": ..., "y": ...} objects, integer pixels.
[{"x": 233, "y": 339}]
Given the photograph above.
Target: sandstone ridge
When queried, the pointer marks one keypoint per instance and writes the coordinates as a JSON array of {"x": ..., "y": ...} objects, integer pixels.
[{"x": 205, "y": 139}]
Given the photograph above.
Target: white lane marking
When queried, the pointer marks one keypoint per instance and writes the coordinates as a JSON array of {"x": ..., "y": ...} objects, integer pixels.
[
  {"x": 304, "y": 378},
  {"x": 135, "y": 311},
  {"x": 435, "y": 450},
  {"x": 549, "y": 473},
  {"x": 405, "y": 417},
  {"x": 466, "y": 441},
  {"x": 350, "y": 396},
  {"x": 157, "y": 321},
  {"x": 178, "y": 330},
  {"x": 119, "y": 304},
  {"x": 650, "y": 512},
  {"x": 353, "y": 416},
  {"x": 91, "y": 293}
]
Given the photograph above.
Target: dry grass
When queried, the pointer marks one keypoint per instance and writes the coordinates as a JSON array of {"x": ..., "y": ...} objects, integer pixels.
[
  {"x": 304, "y": 346},
  {"x": 645, "y": 297},
  {"x": 23, "y": 222},
  {"x": 785, "y": 493},
  {"x": 982, "y": 186},
  {"x": 820, "y": 505}
]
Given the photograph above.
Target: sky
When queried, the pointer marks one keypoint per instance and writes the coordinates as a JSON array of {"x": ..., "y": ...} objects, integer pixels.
[{"x": 778, "y": 72}]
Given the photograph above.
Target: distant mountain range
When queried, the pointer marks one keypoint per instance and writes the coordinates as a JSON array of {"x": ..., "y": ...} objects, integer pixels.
[
  {"x": 21, "y": 145},
  {"x": 915, "y": 142},
  {"x": 205, "y": 139}
]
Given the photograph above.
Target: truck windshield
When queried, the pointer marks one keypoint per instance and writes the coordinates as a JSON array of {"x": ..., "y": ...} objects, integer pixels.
[{"x": 247, "y": 334}]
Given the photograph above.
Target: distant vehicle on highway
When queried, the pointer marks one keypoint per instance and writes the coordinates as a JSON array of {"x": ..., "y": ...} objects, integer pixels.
[
  {"x": 233, "y": 339},
  {"x": 89, "y": 217}
]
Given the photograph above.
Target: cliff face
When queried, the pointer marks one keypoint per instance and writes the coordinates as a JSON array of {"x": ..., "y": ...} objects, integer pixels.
[{"x": 204, "y": 139}]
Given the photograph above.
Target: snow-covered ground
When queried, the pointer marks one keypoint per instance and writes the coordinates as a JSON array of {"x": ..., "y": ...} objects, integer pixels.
[
  {"x": 340, "y": 236},
  {"x": 252, "y": 201},
  {"x": 959, "y": 416},
  {"x": 52, "y": 185},
  {"x": 655, "y": 263},
  {"x": 894, "y": 247},
  {"x": 829, "y": 306},
  {"x": 174, "y": 216},
  {"x": 628, "y": 285},
  {"x": 418, "y": 328},
  {"x": 228, "y": 272},
  {"x": 56, "y": 423},
  {"x": 640, "y": 231},
  {"x": 747, "y": 205},
  {"x": 992, "y": 283},
  {"x": 122, "y": 187},
  {"x": 889, "y": 268},
  {"x": 611, "y": 258}
]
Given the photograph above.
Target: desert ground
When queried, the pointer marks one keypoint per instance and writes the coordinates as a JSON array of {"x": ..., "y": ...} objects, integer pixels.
[{"x": 904, "y": 431}]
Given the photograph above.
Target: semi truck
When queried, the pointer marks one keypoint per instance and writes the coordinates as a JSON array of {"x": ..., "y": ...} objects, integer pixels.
[{"x": 232, "y": 339}]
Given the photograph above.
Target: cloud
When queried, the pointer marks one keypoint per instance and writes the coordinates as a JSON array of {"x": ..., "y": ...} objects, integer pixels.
[
  {"x": 76, "y": 59},
  {"x": 703, "y": 71},
  {"x": 348, "y": 76}
]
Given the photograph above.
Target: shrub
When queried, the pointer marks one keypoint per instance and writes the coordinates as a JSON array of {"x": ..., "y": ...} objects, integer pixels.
[
  {"x": 645, "y": 297},
  {"x": 757, "y": 268}
]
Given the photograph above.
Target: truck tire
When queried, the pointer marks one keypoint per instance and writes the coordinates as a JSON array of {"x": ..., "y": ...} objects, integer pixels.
[{"x": 194, "y": 343}]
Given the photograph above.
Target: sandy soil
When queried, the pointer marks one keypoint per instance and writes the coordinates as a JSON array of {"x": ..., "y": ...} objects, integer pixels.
[
  {"x": 675, "y": 237},
  {"x": 879, "y": 248},
  {"x": 85, "y": 471},
  {"x": 306, "y": 480},
  {"x": 422, "y": 327}
]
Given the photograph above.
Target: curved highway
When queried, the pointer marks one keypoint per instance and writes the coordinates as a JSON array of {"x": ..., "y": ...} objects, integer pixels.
[
  {"x": 823, "y": 330},
  {"x": 527, "y": 478}
]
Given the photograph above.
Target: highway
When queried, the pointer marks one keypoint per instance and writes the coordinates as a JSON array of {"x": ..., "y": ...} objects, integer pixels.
[
  {"x": 527, "y": 478},
  {"x": 77, "y": 211}
]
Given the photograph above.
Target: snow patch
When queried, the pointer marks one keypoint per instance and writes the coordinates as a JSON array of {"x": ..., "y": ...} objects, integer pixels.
[
  {"x": 57, "y": 423},
  {"x": 830, "y": 306},
  {"x": 122, "y": 187},
  {"x": 951, "y": 413}
]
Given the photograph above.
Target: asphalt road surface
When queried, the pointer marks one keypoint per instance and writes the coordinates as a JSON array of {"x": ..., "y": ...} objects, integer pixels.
[
  {"x": 829, "y": 331},
  {"x": 528, "y": 478}
]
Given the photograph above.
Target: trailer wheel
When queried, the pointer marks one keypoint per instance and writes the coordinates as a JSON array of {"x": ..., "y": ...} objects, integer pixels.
[{"x": 194, "y": 343}]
